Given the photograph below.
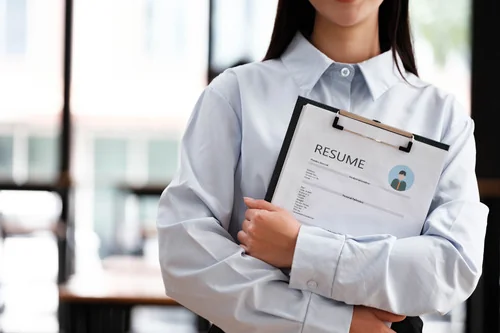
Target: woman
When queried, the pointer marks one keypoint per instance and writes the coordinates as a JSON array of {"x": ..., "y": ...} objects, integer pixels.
[{"x": 351, "y": 54}]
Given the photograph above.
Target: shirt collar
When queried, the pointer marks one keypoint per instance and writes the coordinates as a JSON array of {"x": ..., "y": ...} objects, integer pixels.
[
  {"x": 307, "y": 64},
  {"x": 381, "y": 73}
]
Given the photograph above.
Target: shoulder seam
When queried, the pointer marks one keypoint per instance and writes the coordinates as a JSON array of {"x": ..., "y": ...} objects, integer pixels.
[{"x": 225, "y": 99}]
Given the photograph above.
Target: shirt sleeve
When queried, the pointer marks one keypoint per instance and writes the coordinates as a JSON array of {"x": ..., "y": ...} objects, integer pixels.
[
  {"x": 433, "y": 272},
  {"x": 202, "y": 266}
]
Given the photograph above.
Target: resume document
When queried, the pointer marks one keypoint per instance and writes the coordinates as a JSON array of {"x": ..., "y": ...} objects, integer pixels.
[{"x": 356, "y": 182}]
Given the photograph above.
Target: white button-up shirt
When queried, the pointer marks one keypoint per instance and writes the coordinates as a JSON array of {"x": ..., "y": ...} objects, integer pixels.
[{"x": 229, "y": 151}]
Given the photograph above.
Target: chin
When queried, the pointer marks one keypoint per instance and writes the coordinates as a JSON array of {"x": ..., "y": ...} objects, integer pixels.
[
  {"x": 345, "y": 17},
  {"x": 346, "y": 20},
  {"x": 346, "y": 13}
]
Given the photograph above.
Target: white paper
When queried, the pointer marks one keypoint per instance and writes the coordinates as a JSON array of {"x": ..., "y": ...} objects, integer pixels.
[{"x": 352, "y": 185}]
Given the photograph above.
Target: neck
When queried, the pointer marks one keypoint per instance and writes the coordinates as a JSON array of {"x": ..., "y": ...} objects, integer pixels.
[{"x": 347, "y": 44}]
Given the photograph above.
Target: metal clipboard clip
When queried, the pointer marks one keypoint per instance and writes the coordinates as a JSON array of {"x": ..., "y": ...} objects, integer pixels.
[{"x": 375, "y": 123}]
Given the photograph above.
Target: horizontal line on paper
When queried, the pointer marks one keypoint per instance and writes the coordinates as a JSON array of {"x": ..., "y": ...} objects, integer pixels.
[
  {"x": 353, "y": 199},
  {"x": 304, "y": 215}
]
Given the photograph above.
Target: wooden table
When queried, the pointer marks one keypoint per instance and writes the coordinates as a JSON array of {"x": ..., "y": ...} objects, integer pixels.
[
  {"x": 101, "y": 302},
  {"x": 489, "y": 188}
]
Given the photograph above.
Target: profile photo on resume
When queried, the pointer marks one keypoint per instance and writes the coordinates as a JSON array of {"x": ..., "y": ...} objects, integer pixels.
[
  {"x": 398, "y": 183},
  {"x": 401, "y": 178}
]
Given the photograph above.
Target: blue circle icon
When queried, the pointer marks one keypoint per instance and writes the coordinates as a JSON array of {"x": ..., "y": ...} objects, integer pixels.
[{"x": 401, "y": 178}]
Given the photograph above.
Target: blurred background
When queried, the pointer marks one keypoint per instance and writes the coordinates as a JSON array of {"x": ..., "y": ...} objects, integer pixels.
[{"x": 95, "y": 97}]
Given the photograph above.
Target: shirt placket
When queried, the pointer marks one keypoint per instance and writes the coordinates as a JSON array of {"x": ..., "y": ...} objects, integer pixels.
[{"x": 342, "y": 76}]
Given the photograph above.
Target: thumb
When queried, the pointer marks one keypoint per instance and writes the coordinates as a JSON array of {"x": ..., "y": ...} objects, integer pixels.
[
  {"x": 260, "y": 204},
  {"x": 387, "y": 316}
]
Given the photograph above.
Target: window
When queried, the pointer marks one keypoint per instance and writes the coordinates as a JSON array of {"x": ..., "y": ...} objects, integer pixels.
[
  {"x": 110, "y": 160},
  {"x": 110, "y": 163},
  {"x": 162, "y": 160},
  {"x": 151, "y": 66},
  {"x": 42, "y": 157},
  {"x": 31, "y": 51},
  {"x": 442, "y": 41},
  {"x": 160, "y": 36},
  {"x": 31, "y": 58},
  {"x": 6, "y": 156},
  {"x": 251, "y": 23},
  {"x": 131, "y": 101},
  {"x": 15, "y": 26}
]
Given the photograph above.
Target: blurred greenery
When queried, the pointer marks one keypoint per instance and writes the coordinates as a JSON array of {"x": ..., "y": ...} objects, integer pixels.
[{"x": 445, "y": 24}]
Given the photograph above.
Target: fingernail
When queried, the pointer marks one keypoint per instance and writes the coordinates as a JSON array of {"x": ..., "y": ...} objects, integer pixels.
[{"x": 247, "y": 199}]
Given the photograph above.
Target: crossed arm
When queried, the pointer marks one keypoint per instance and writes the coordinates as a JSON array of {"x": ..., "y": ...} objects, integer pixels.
[
  {"x": 410, "y": 276},
  {"x": 432, "y": 272}
]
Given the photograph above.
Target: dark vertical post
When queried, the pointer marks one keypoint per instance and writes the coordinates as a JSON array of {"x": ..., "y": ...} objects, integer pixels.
[
  {"x": 64, "y": 185},
  {"x": 483, "y": 306},
  {"x": 485, "y": 105},
  {"x": 202, "y": 324},
  {"x": 491, "y": 268},
  {"x": 211, "y": 35}
]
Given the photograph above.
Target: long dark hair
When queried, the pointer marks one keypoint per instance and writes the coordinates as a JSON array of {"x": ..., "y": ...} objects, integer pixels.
[{"x": 394, "y": 29}]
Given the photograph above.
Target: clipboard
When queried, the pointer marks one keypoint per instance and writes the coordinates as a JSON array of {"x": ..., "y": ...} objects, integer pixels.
[{"x": 337, "y": 125}]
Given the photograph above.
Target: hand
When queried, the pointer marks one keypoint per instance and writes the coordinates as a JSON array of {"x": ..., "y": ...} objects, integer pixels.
[
  {"x": 369, "y": 320},
  {"x": 269, "y": 233}
]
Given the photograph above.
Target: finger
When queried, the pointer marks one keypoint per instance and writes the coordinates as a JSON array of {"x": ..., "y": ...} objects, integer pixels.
[
  {"x": 242, "y": 237},
  {"x": 387, "y": 316},
  {"x": 251, "y": 213},
  {"x": 260, "y": 204},
  {"x": 258, "y": 215},
  {"x": 244, "y": 248},
  {"x": 246, "y": 226}
]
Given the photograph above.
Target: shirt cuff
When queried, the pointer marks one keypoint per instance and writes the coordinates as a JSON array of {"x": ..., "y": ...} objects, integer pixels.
[
  {"x": 322, "y": 317},
  {"x": 315, "y": 260}
]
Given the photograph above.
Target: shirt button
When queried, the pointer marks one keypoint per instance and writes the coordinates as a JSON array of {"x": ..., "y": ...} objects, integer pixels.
[
  {"x": 312, "y": 284},
  {"x": 345, "y": 72}
]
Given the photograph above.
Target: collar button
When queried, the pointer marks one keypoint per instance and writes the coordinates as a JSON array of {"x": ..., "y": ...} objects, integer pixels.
[{"x": 345, "y": 72}]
